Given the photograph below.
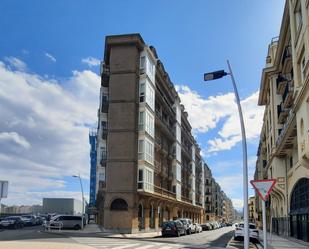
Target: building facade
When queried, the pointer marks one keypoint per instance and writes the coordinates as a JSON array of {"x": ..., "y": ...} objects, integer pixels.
[
  {"x": 93, "y": 165},
  {"x": 283, "y": 152},
  {"x": 149, "y": 166}
]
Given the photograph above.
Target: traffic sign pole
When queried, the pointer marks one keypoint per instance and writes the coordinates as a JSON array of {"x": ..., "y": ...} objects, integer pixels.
[
  {"x": 264, "y": 225},
  {"x": 263, "y": 188}
]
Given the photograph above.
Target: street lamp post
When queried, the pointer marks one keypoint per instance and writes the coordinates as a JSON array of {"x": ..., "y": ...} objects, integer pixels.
[
  {"x": 81, "y": 186},
  {"x": 217, "y": 75}
]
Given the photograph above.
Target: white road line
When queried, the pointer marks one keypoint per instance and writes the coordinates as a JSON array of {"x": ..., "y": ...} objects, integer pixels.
[
  {"x": 165, "y": 247},
  {"x": 126, "y": 246},
  {"x": 145, "y": 247}
]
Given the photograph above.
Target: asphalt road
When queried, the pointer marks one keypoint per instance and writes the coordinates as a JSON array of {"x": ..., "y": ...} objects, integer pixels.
[{"x": 207, "y": 239}]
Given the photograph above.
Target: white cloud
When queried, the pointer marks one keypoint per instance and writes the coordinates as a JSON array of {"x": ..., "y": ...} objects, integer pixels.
[
  {"x": 91, "y": 61},
  {"x": 50, "y": 57},
  {"x": 44, "y": 129},
  {"x": 16, "y": 63},
  {"x": 7, "y": 137},
  {"x": 205, "y": 114},
  {"x": 238, "y": 204}
]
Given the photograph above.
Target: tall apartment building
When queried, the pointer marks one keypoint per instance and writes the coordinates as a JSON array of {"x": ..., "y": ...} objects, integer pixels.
[
  {"x": 283, "y": 152},
  {"x": 209, "y": 208},
  {"x": 93, "y": 165},
  {"x": 149, "y": 165}
]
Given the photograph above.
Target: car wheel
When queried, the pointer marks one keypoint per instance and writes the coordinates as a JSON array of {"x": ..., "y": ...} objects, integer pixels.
[{"x": 77, "y": 227}]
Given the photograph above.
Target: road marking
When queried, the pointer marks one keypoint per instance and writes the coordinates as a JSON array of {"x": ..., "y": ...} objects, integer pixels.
[
  {"x": 126, "y": 246},
  {"x": 165, "y": 247},
  {"x": 145, "y": 247}
]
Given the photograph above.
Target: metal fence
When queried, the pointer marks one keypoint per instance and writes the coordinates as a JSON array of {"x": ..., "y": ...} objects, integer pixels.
[{"x": 296, "y": 226}]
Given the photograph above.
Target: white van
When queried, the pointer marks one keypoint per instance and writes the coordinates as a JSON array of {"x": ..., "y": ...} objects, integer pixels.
[{"x": 67, "y": 221}]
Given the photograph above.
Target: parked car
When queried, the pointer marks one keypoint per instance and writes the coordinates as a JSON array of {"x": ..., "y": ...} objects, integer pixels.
[
  {"x": 174, "y": 228},
  {"x": 206, "y": 227},
  {"x": 12, "y": 222},
  {"x": 68, "y": 221},
  {"x": 188, "y": 225},
  {"x": 198, "y": 228},
  {"x": 29, "y": 220},
  {"x": 253, "y": 232}
]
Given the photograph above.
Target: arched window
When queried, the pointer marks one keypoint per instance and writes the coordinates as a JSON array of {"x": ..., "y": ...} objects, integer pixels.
[
  {"x": 300, "y": 196},
  {"x": 119, "y": 205}
]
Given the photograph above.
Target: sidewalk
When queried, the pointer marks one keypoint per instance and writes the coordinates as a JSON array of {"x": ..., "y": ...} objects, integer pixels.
[
  {"x": 96, "y": 230},
  {"x": 278, "y": 242},
  {"x": 41, "y": 245}
]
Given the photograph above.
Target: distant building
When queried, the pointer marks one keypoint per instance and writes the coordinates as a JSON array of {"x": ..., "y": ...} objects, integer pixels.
[
  {"x": 62, "y": 206},
  {"x": 93, "y": 163}
]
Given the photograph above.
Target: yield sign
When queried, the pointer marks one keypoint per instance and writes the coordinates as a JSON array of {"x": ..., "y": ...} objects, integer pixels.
[{"x": 263, "y": 187}]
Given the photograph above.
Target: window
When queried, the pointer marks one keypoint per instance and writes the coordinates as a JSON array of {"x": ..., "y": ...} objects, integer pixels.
[
  {"x": 103, "y": 153},
  {"x": 141, "y": 149},
  {"x": 104, "y": 98},
  {"x": 142, "y": 92},
  {"x": 119, "y": 205},
  {"x": 149, "y": 124},
  {"x": 142, "y": 64},
  {"x": 149, "y": 151},
  {"x": 140, "y": 179},
  {"x": 141, "y": 120},
  {"x": 148, "y": 180},
  {"x": 104, "y": 125},
  {"x": 150, "y": 100},
  {"x": 145, "y": 150}
]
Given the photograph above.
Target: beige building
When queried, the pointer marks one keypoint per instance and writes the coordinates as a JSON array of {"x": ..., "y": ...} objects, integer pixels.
[
  {"x": 251, "y": 208},
  {"x": 283, "y": 152}
]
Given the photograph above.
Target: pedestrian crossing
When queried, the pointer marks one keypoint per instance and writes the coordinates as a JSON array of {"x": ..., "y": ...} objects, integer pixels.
[{"x": 118, "y": 243}]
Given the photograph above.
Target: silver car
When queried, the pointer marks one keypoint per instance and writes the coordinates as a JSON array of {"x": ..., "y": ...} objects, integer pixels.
[{"x": 66, "y": 221}]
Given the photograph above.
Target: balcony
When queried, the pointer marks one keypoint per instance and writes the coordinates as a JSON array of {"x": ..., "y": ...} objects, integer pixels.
[
  {"x": 102, "y": 184},
  {"x": 164, "y": 192},
  {"x": 185, "y": 199},
  {"x": 104, "y": 133},
  {"x": 287, "y": 59},
  {"x": 282, "y": 113},
  {"x": 158, "y": 142},
  {"x": 164, "y": 124},
  {"x": 104, "y": 75},
  {"x": 287, "y": 97},
  {"x": 104, "y": 108},
  {"x": 285, "y": 140},
  {"x": 157, "y": 167},
  {"x": 281, "y": 83},
  {"x": 103, "y": 158}
]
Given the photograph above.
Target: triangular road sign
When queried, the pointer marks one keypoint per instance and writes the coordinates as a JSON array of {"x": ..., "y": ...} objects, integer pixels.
[{"x": 263, "y": 187}]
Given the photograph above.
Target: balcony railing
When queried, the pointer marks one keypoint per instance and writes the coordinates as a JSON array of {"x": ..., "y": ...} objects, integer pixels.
[
  {"x": 165, "y": 122},
  {"x": 286, "y": 54},
  {"x": 104, "y": 108},
  {"x": 104, "y": 75},
  {"x": 157, "y": 167},
  {"x": 285, "y": 127},
  {"x": 185, "y": 199},
  {"x": 287, "y": 97},
  {"x": 282, "y": 113},
  {"x": 164, "y": 192},
  {"x": 104, "y": 133},
  {"x": 281, "y": 83}
]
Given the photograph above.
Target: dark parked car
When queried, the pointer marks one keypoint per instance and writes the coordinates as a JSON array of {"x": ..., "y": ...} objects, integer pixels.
[
  {"x": 173, "y": 228},
  {"x": 29, "y": 220},
  {"x": 12, "y": 222},
  {"x": 206, "y": 227}
]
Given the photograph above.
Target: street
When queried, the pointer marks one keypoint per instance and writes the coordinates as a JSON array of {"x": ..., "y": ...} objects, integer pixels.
[{"x": 207, "y": 239}]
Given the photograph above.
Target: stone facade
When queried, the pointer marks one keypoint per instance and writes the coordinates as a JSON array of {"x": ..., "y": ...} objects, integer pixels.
[{"x": 283, "y": 152}]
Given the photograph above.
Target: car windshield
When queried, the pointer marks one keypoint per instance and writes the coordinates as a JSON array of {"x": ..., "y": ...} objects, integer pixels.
[
  {"x": 184, "y": 221},
  {"x": 170, "y": 223},
  {"x": 251, "y": 226}
]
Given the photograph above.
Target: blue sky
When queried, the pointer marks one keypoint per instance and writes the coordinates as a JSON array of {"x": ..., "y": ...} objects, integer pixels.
[{"x": 43, "y": 44}]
